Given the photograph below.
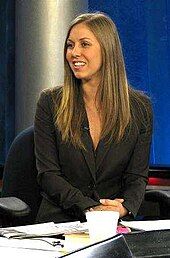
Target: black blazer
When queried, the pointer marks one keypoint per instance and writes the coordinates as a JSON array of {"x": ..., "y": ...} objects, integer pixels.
[{"x": 73, "y": 180}]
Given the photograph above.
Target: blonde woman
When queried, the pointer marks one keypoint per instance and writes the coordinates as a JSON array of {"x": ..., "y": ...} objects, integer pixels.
[{"x": 93, "y": 134}]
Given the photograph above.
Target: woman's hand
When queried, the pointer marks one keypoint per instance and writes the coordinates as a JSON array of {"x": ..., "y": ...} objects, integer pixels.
[{"x": 111, "y": 205}]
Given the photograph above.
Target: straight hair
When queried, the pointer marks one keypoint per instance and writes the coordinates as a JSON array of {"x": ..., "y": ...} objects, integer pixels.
[{"x": 114, "y": 93}]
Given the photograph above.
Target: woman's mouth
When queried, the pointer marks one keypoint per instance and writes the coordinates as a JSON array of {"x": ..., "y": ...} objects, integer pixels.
[{"x": 78, "y": 64}]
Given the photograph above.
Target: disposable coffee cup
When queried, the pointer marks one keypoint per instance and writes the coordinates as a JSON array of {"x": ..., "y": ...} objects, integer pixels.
[{"x": 102, "y": 224}]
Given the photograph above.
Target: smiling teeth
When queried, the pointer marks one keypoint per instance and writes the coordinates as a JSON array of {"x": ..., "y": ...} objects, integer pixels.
[{"x": 79, "y": 63}]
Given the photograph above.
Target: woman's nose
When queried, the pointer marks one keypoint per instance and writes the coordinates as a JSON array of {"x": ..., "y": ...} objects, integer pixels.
[{"x": 76, "y": 52}]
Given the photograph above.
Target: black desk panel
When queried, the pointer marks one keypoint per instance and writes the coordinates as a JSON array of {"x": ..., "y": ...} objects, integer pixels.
[{"x": 149, "y": 244}]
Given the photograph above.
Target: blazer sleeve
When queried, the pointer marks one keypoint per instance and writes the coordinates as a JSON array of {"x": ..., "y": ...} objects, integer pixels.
[
  {"x": 135, "y": 178},
  {"x": 50, "y": 176}
]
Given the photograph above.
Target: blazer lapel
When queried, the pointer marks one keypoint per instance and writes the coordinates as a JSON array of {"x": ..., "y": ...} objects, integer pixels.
[
  {"x": 101, "y": 152},
  {"x": 88, "y": 153},
  {"x": 93, "y": 161}
]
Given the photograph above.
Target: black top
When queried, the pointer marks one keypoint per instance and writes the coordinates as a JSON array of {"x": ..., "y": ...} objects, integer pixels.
[{"x": 76, "y": 179}]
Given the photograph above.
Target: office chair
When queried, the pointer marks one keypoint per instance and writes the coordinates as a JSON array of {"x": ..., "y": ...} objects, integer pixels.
[
  {"x": 162, "y": 197},
  {"x": 19, "y": 181}
]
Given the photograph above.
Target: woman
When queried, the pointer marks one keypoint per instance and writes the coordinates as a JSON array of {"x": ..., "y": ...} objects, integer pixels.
[{"x": 92, "y": 136}]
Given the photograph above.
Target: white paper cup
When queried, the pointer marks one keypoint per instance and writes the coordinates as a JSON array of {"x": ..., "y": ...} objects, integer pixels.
[{"x": 102, "y": 224}]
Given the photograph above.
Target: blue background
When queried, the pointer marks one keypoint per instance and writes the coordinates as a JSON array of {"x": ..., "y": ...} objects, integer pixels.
[{"x": 144, "y": 28}]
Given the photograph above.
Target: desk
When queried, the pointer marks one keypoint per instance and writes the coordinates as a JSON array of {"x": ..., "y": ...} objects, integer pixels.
[
  {"x": 136, "y": 244},
  {"x": 141, "y": 244}
]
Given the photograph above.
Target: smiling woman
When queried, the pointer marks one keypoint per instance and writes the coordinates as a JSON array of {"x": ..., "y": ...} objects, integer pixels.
[{"x": 92, "y": 135}]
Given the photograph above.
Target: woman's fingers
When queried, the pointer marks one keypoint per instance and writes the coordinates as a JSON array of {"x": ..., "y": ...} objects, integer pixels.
[
  {"x": 108, "y": 202},
  {"x": 111, "y": 205},
  {"x": 104, "y": 208},
  {"x": 97, "y": 208}
]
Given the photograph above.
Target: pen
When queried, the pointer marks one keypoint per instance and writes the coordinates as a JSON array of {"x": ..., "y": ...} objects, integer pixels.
[{"x": 56, "y": 243}]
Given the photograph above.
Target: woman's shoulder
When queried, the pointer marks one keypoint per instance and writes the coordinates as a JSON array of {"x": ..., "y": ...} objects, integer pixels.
[
  {"x": 141, "y": 108},
  {"x": 52, "y": 91},
  {"x": 52, "y": 94},
  {"x": 140, "y": 100}
]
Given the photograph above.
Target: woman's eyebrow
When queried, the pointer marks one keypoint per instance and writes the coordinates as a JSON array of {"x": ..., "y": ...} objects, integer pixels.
[
  {"x": 84, "y": 38},
  {"x": 69, "y": 40}
]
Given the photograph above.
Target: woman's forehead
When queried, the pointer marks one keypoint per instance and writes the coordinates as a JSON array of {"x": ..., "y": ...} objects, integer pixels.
[{"x": 81, "y": 31}]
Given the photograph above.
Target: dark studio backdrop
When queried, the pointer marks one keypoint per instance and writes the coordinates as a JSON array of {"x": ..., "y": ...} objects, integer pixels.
[
  {"x": 7, "y": 76},
  {"x": 144, "y": 28}
]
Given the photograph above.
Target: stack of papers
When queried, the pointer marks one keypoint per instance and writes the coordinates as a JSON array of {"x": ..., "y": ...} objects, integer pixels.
[
  {"x": 43, "y": 229},
  {"x": 38, "y": 238}
]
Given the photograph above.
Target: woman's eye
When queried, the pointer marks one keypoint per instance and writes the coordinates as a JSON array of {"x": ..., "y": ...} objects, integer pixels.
[
  {"x": 69, "y": 45},
  {"x": 85, "y": 44}
]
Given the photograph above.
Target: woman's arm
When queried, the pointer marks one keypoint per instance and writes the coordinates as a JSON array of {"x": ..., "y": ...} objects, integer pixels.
[{"x": 135, "y": 178}]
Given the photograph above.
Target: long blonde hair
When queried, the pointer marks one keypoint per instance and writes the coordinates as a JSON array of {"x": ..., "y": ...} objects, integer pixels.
[{"x": 113, "y": 91}]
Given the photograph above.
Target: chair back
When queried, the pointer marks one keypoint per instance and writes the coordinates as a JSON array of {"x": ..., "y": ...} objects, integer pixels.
[{"x": 19, "y": 177}]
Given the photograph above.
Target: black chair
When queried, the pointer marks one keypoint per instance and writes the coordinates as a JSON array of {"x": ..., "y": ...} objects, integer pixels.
[
  {"x": 19, "y": 181},
  {"x": 162, "y": 197}
]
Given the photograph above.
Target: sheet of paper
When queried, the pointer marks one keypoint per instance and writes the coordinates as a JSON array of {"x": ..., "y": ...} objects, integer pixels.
[
  {"x": 147, "y": 225},
  {"x": 76, "y": 241},
  {"x": 27, "y": 253},
  {"x": 33, "y": 243},
  {"x": 33, "y": 246},
  {"x": 42, "y": 229},
  {"x": 72, "y": 227}
]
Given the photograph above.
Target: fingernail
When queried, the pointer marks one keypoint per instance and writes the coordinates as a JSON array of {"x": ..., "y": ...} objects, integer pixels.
[{"x": 102, "y": 201}]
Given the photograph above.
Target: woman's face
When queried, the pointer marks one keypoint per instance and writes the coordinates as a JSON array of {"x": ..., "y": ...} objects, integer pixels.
[{"x": 84, "y": 53}]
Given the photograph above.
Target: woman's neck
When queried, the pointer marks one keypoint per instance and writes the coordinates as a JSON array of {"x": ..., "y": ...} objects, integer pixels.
[{"x": 90, "y": 92}]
